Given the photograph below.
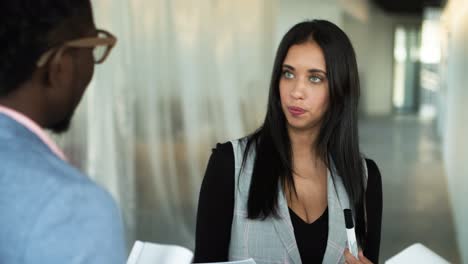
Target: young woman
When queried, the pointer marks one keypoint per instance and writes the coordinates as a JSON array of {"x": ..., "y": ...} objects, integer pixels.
[{"x": 278, "y": 195}]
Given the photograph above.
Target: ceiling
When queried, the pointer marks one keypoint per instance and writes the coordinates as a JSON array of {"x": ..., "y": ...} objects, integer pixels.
[{"x": 414, "y": 7}]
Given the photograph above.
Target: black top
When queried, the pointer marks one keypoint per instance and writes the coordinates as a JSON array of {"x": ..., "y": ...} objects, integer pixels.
[
  {"x": 216, "y": 207},
  {"x": 311, "y": 238}
]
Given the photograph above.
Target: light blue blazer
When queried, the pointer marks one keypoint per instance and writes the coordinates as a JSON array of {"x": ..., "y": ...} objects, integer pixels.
[{"x": 49, "y": 211}]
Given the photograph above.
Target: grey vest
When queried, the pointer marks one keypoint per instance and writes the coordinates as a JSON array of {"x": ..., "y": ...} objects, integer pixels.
[{"x": 272, "y": 240}]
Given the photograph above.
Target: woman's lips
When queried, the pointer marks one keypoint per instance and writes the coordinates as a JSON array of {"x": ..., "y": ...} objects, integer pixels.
[{"x": 296, "y": 111}]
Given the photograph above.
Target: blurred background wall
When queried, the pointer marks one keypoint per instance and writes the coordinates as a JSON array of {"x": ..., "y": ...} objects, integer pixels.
[
  {"x": 454, "y": 122},
  {"x": 187, "y": 74}
]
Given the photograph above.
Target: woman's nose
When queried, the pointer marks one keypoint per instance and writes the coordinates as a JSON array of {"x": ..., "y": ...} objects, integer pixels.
[{"x": 298, "y": 89}]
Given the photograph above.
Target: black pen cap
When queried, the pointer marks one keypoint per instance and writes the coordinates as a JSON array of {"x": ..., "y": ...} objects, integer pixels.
[{"x": 348, "y": 216}]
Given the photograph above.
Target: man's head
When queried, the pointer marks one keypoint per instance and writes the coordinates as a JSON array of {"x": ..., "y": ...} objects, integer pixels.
[{"x": 47, "y": 61}]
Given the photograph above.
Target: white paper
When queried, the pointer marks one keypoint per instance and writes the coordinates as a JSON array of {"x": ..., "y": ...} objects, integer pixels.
[
  {"x": 246, "y": 261},
  {"x": 151, "y": 253},
  {"x": 416, "y": 253}
]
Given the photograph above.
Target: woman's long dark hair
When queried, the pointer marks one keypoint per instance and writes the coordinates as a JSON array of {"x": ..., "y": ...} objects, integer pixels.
[{"x": 338, "y": 136}]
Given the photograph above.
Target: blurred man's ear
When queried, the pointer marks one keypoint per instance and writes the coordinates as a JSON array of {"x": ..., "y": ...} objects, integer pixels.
[{"x": 59, "y": 74}]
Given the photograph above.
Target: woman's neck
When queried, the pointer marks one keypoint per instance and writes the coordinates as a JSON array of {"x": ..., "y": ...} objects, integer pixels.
[{"x": 303, "y": 144}]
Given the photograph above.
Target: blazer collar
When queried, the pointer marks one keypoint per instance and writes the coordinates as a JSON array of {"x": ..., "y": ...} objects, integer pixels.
[{"x": 337, "y": 201}]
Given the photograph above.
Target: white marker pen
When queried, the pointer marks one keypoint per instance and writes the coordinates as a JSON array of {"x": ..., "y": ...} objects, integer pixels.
[{"x": 352, "y": 245}]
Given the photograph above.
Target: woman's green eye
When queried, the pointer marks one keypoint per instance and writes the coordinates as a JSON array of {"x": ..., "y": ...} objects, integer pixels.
[
  {"x": 288, "y": 75},
  {"x": 315, "y": 79}
]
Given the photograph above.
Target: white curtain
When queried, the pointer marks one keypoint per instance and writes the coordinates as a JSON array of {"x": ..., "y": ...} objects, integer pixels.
[{"x": 184, "y": 75}]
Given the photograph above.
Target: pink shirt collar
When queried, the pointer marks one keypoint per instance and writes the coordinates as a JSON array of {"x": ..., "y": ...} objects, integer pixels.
[{"x": 34, "y": 128}]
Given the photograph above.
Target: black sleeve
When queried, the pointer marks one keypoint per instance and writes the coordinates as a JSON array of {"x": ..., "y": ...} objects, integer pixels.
[
  {"x": 216, "y": 207},
  {"x": 374, "y": 211}
]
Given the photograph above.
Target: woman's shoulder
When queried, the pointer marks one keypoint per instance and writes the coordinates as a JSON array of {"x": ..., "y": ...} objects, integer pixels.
[
  {"x": 227, "y": 148},
  {"x": 220, "y": 168},
  {"x": 223, "y": 149},
  {"x": 222, "y": 156}
]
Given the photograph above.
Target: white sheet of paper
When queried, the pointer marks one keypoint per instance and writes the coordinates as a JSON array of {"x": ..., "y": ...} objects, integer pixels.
[
  {"x": 416, "y": 253},
  {"x": 246, "y": 261},
  {"x": 151, "y": 253}
]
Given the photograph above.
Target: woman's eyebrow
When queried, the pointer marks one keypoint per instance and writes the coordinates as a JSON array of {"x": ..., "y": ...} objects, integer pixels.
[{"x": 310, "y": 70}]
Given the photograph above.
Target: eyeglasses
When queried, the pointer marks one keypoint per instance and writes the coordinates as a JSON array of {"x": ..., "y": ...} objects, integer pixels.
[{"x": 102, "y": 44}]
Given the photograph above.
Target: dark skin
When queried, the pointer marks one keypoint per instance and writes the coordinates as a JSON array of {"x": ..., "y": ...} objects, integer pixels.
[{"x": 53, "y": 92}]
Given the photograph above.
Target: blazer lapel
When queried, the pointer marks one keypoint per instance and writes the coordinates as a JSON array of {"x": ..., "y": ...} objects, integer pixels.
[
  {"x": 336, "y": 242},
  {"x": 285, "y": 230},
  {"x": 337, "y": 198}
]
